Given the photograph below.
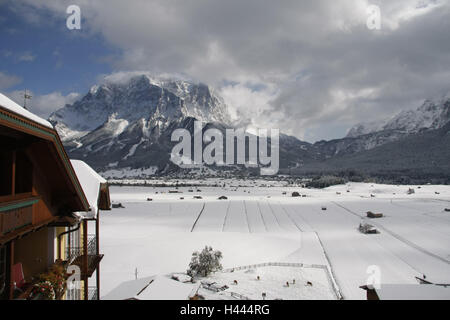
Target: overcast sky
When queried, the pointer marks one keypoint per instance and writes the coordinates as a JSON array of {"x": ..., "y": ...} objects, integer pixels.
[{"x": 310, "y": 68}]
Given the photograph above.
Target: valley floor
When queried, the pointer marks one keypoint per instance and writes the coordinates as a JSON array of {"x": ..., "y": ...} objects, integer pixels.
[{"x": 261, "y": 224}]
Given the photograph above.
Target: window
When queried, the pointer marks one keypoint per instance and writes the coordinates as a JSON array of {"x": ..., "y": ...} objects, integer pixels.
[
  {"x": 24, "y": 173},
  {"x": 5, "y": 173}
]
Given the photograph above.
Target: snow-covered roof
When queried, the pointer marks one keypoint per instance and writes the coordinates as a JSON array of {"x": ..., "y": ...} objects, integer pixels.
[
  {"x": 90, "y": 182},
  {"x": 413, "y": 292},
  {"x": 128, "y": 289},
  {"x": 163, "y": 288},
  {"x": 152, "y": 288},
  {"x": 10, "y": 105}
]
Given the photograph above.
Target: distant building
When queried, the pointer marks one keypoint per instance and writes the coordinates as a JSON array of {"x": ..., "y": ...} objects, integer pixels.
[
  {"x": 373, "y": 215},
  {"x": 45, "y": 204},
  {"x": 367, "y": 228}
]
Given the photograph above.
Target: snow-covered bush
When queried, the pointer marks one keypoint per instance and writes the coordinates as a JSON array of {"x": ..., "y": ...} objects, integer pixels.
[{"x": 205, "y": 262}]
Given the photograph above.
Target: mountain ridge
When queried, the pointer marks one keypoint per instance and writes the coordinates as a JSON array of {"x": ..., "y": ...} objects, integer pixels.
[
  {"x": 128, "y": 124},
  {"x": 432, "y": 114}
]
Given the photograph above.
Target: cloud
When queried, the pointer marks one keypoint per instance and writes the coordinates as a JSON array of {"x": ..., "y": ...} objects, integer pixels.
[
  {"x": 8, "y": 81},
  {"x": 44, "y": 105},
  {"x": 26, "y": 57},
  {"x": 6, "y": 53},
  {"x": 247, "y": 103},
  {"x": 317, "y": 67}
]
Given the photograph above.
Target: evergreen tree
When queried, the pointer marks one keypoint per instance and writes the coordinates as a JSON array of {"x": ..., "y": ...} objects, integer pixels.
[{"x": 205, "y": 262}]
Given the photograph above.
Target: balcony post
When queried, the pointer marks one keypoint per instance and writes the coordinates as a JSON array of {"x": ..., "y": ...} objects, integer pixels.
[
  {"x": 13, "y": 183},
  {"x": 11, "y": 270},
  {"x": 85, "y": 260},
  {"x": 97, "y": 236}
]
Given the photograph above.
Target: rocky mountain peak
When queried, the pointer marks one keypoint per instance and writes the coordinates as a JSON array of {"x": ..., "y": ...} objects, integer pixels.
[
  {"x": 432, "y": 114},
  {"x": 158, "y": 101}
]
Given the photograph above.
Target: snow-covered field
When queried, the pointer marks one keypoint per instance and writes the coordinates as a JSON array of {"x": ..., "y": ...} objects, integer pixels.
[
  {"x": 259, "y": 224},
  {"x": 273, "y": 282}
]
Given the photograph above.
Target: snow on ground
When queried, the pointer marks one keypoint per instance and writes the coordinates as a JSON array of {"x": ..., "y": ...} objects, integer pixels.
[
  {"x": 272, "y": 282},
  {"x": 259, "y": 224}
]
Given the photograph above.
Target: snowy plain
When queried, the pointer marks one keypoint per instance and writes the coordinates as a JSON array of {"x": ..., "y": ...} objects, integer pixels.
[{"x": 260, "y": 223}]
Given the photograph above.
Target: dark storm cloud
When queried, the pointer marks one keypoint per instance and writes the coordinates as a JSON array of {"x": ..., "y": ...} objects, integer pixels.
[{"x": 312, "y": 68}]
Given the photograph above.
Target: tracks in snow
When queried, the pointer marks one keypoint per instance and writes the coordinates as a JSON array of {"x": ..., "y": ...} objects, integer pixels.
[
  {"x": 226, "y": 216},
  {"x": 397, "y": 236},
  {"x": 198, "y": 217},
  {"x": 252, "y": 214}
]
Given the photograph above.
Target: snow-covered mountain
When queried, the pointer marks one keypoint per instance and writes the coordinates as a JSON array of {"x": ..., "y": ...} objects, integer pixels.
[
  {"x": 365, "y": 128},
  {"x": 432, "y": 114},
  {"x": 128, "y": 124},
  {"x": 125, "y": 127},
  {"x": 152, "y": 102}
]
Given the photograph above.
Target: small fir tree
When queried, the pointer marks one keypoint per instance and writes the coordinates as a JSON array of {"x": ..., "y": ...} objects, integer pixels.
[{"x": 205, "y": 262}]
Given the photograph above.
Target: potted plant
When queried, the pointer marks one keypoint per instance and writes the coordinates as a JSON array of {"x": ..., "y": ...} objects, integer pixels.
[
  {"x": 43, "y": 291},
  {"x": 52, "y": 284}
]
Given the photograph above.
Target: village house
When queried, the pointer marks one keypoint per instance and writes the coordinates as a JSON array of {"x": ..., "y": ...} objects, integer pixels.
[
  {"x": 46, "y": 205},
  {"x": 374, "y": 215},
  {"x": 157, "y": 287}
]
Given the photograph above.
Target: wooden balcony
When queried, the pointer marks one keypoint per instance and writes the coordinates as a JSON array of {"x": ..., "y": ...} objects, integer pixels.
[
  {"x": 92, "y": 263},
  {"x": 15, "y": 215},
  {"x": 88, "y": 261},
  {"x": 17, "y": 218}
]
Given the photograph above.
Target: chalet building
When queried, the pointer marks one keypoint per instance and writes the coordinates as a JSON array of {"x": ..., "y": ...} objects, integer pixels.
[
  {"x": 46, "y": 205},
  {"x": 87, "y": 256}
]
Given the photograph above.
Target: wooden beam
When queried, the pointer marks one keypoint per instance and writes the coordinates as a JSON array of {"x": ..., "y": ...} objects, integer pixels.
[
  {"x": 97, "y": 235},
  {"x": 13, "y": 183},
  {"x": 11, "y": 275},
  {"x": 20, "y": 233},
  {"x": 85, "y": 260}
]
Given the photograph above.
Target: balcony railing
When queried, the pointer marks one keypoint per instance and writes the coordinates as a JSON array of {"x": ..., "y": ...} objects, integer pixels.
[
  {"x": 76, "y": 294},
  {"x": 77, "y": 256},
  {"x": 73, "y": 294},
  {"x": 92, "y": 293},
  {"x": 73, "y": 253}
]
